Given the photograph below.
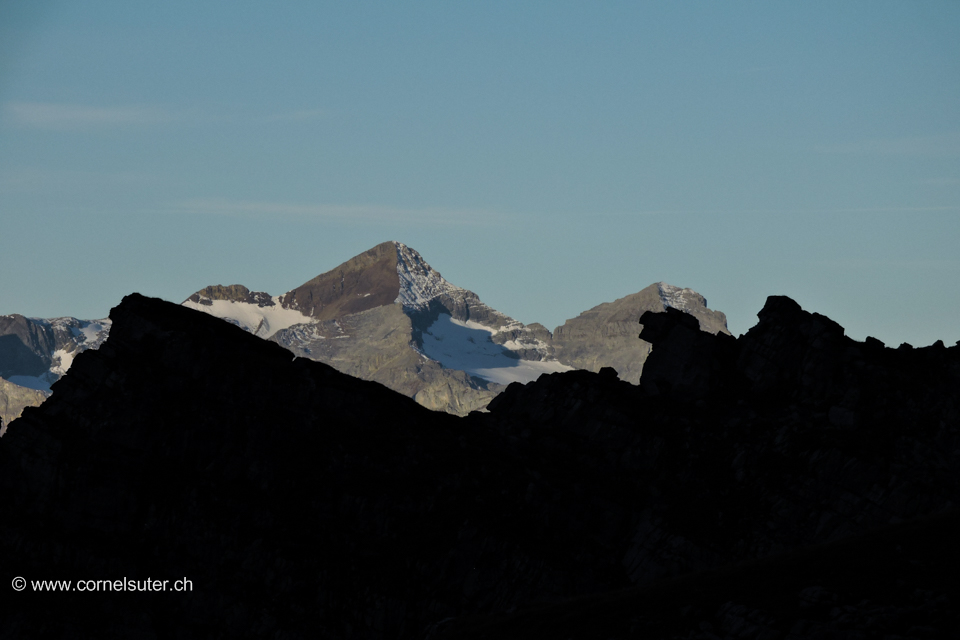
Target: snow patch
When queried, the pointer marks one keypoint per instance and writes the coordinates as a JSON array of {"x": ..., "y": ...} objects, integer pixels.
[
  {"x": 62, "y": 359},
  {"x": 95, "y": 331},
  {"x": 467, "y": 346},
  {"x": 512, "y": 326},
  {"x": 260, "y": 321},
  {"x": 682, "y": 299}
]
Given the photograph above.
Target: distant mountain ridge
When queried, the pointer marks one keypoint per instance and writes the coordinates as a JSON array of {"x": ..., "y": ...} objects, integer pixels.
[
  {"x": 384, "y": 315},
  {"x": 387, "y": 315}
]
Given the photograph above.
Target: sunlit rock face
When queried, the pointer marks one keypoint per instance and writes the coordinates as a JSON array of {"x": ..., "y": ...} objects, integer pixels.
[
  {"x": 14, "y": 399},
  {"x": 303, "y": 502}
]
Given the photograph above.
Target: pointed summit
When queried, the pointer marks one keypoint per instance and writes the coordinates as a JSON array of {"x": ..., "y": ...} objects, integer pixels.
[
  {"x": 364, "y": 282},
  {"x": 389, "y": 273},
  {"x": 419, "y": 282}
]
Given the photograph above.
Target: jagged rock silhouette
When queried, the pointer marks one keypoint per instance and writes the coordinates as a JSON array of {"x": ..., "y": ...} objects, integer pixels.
[{"x": 301, "y": 502}]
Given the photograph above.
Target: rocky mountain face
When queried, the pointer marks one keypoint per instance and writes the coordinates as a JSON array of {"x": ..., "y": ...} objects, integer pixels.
[
  {"x": 387, "y": 315},
  {"x": 36, "y": 352},
  {"x": 605, "y": 336},
  {"x": 14, "y": 399},
  {"x": 719, "y": 496}
]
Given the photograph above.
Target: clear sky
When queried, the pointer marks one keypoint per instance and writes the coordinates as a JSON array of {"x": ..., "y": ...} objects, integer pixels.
[{"x": 548, "y": 156}]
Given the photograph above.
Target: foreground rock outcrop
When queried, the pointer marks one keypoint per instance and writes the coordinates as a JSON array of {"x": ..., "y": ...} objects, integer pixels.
[
  {"x": 891, "y": 583},
  {"x": 301, "y": 502}
]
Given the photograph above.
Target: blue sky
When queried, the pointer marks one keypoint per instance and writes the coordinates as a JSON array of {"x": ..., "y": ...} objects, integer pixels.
[{"x": 549, "y": 156}]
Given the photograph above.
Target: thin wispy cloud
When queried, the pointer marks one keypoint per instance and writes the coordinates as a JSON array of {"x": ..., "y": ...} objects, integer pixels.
[
  {"x": 335, "y": 212},
  {"x": 940, "y": 182},
  {"x": 47, "y": 179},
  {"x": 297, "y": 116},
  {"x": 754, "y": 70},
  {"x": 946, "y": 144},
  {"x": 942, "y": 209},
  {"x": 868, "y": 263},
  {"x": 67, "y": 116},
  {"x": 63, "y": 116},
  {"x": 785, "y": 211}
]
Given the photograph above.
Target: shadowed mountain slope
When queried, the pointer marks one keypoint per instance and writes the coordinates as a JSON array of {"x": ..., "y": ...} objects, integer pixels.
[
  {"x": 36, "y": 352},
  {"x": 304, "y": 503}
]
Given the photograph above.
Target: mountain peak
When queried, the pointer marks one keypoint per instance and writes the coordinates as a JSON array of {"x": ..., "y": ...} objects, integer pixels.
[
  {"x": 681, "y": 299},
  {"x": 366, "y": 281},
  {"x": 387, "y": 315},
  {"x": 389, "y": 273},
  {"x": 419, "y": 282}
]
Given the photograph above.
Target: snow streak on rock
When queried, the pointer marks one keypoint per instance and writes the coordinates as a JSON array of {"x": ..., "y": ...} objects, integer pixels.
[{"x": 419, "y": 282}]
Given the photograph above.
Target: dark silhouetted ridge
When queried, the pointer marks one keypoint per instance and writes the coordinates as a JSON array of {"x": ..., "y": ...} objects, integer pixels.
[{"x": 741, "y": 488}]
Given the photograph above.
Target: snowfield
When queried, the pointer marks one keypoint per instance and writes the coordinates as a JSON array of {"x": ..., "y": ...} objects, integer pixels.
[
  {"x": 467, "y": 346},
  {"x": 260, "y": 321}
]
